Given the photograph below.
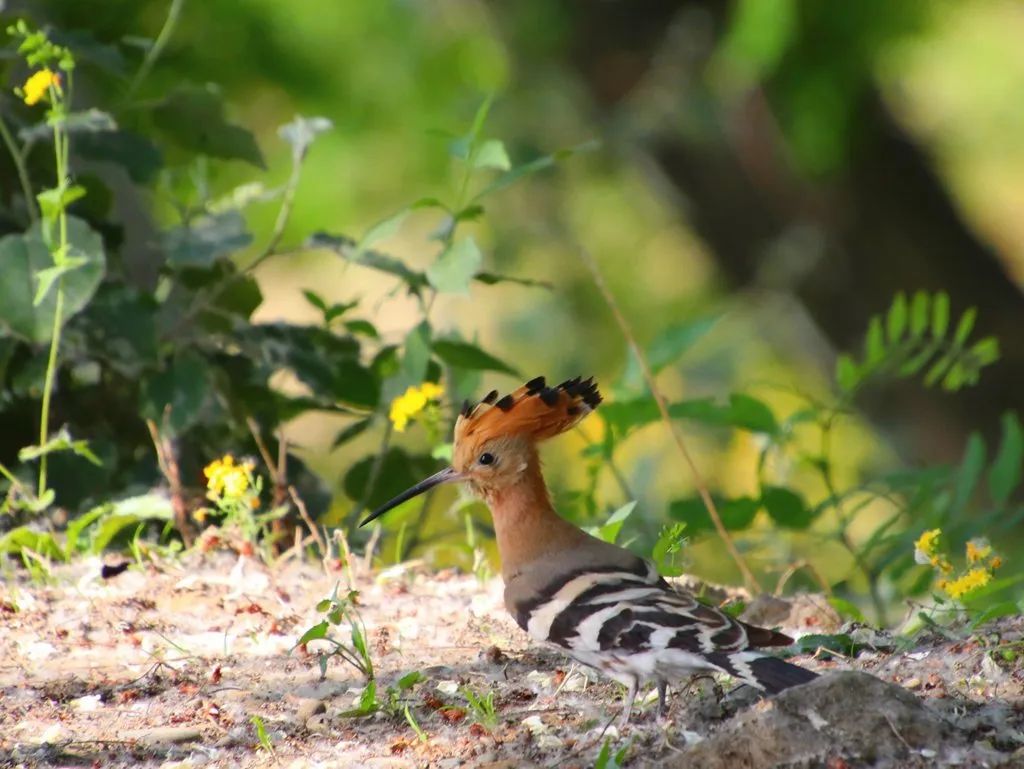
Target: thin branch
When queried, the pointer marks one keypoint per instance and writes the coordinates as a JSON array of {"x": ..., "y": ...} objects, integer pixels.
[
  {"x": 153, "y": 54},
  {"x": 748, "y": 576},
  {"x": 807, "y": 566},
  {"x": 19, "y": 166},
  {"x": 313, "y": 528}
]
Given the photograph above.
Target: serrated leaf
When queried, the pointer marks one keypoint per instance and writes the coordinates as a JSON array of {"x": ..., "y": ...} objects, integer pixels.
[
  {"x": 194, "y": 119},
  {"x": 455, "y": 267},
  {"x": 940, "y": 314},
  {"x": 24, "y": 257},
  {"x": 492, "y": 154},
  {"x": 896, "y": 322},
  {"x": 203, "y": 241},
  {"x": 1005, "y": 474},
  {"x": 468, "y": 356}
]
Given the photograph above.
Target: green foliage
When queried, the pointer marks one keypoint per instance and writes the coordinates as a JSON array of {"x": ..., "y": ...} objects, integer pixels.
[
  {"x": 481, "y": 708},
  {"x": 608, "y": 760},
  {"x": 341, "y": 611},
  {"x": 914, "y": 338}
]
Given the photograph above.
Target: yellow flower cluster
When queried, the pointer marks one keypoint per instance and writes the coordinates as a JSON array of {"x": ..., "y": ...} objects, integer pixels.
[
  {"x": 224, "y": 478},
  {"x": 37, "y": 86},
  {"x": 412, "y": 402},
  {"x": 980, "y": 559},
  {"x": 961, "y": 586},
  {"x": 926, "y": 551}
]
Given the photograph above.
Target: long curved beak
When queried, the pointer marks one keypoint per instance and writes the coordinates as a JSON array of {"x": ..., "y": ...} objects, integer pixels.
[{"x": 448, "y": 475}]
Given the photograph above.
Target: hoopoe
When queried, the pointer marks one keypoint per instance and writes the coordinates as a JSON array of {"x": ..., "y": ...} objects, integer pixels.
[{"x": 604, "y": 606}]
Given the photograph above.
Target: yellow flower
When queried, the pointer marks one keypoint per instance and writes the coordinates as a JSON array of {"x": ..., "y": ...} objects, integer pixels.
[
  {"x": 978, "y": 550},
  {"x": 925, "y": 547},
  {"x": 412, "y": 402},
  {"x": 37, "y": 86},
  {"x": 225, "y": 478},
  {"x": 967, "y": 583}
]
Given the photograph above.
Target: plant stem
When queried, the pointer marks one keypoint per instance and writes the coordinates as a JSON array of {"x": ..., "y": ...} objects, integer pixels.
[
  {"x": 157, "y": 48},
  {"x": 19, "y": 166},
  {"x": 61, "y": 146},
  {"x": 748, "y": 576}
]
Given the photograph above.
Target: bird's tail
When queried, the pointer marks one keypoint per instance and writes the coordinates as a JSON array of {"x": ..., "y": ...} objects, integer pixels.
[{"x": 773, "y": 674}]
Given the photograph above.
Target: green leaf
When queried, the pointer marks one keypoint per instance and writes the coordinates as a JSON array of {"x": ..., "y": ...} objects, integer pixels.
[
  {"x": 53, "y": 201},
  {"x": 940, "y": 314},
  {"x": 409, "y": 680},
  {"x": 62, "y": 441},
  {"x": 455, "y": 267},
  {"x": 47, "y": 278},
  {"x": 1005, "y": 474},
  {"x": 896, "y": 322},
  {"x": 22, "y": 538},
  {"x": 351, "y": 431},
  {"x": 742, "y": 412},
  {"x": 919, "y": 314},
  {"x": 965, "y": 326},
  {"x": 382, "y": 230},
  {"x": 840, "y": 643},
  {"x": 786, "y": 507},
  {"x": 202, "y": 241},
  {"x": 136, "y": 154},
  {"x": 80, "y": 524},
  {"x": 348, "y": 249},
  {"x": 24, "y": 257},
  {"x": 174, "y": 398},
  {"x": 315, "y": 633},
  {"x": 491, "y": 154},
  {"x": 874, "y": 343},
  {"x": 490, "y": 279},
  {"x": 737, "y": 513},
  {"x": 666, "y": 348},
  {"x": 847, "y": 373},
  {"x": 193, "y": 118},
  {"x": 416, "y": 353},
  {"x": 970, "y": 471},
  {"x": 847, "y": 609},
  {"x": 468, "y": 356},
  {"x": 363, "y": 327},
  {"x": 609, "y": 530},
  {"x": 534, "y": 166}
]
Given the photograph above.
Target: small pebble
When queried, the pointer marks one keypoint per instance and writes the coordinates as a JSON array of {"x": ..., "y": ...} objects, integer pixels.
[
  {"x": 309, "y": 708},
  {"x": 320, "y": 723},
  {"x": 912, "y": 683},
  {"x": 170, "y": 734}
]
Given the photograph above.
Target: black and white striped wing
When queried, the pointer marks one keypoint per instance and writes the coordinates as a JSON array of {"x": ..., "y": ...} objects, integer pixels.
[{"x": 631, "y": 623}]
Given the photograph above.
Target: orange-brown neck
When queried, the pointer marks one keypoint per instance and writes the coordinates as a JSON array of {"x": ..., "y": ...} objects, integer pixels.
[{"x": 526, "y": 525}]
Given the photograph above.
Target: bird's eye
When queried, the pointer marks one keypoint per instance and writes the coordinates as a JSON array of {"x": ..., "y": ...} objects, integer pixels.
[{"x": 487, "y": 458}]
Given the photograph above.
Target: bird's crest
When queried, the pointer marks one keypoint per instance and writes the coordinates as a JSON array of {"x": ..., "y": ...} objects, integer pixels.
[{"x": 534, "y": 410}]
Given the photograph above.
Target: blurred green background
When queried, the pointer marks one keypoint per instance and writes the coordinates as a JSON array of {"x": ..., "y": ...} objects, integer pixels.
[{"x": 781, "y": 166}]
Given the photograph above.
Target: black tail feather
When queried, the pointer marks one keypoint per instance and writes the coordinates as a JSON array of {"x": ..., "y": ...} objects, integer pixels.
[{"x": 775, "y": 674}]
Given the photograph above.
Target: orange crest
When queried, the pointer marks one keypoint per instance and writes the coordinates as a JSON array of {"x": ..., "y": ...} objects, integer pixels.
[{"x": 535, "y": 411}]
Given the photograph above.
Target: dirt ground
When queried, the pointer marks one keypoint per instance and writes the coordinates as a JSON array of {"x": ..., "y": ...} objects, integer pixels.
[{"x": 167, "y": 666}]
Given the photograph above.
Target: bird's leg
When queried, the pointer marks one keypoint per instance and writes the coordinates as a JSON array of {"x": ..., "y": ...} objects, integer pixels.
[
  {"x": 662, "y": 699},
  {"x": 627, "y": 706}
]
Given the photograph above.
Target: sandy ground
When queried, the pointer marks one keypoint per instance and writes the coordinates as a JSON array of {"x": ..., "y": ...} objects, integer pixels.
[{"x": 166, "y": 666}]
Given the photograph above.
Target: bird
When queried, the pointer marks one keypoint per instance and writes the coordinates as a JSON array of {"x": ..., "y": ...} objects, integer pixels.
[{"x": 604, "y": 606}]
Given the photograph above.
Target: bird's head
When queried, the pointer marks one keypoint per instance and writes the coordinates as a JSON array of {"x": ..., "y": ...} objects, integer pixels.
[{"x": 495, "y": 440}]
